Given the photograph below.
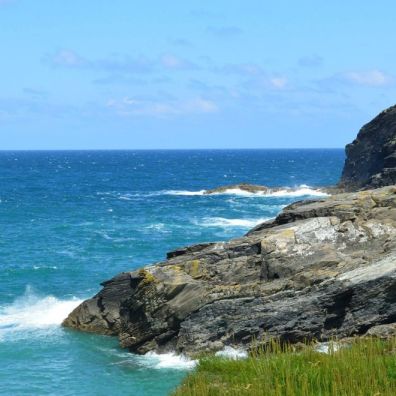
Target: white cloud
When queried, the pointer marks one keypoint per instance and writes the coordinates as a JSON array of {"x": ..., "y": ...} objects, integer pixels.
[
  {"x": 170, "y": 61},
  {"x": 224, "y": 31},
  {"x": 68, "y": 58},
  {"x": 121, "y": 63},
  {"x": 157, "y": 108},
  {"x": 278, "y": 82},
  {"x": 374, "y": 78}
]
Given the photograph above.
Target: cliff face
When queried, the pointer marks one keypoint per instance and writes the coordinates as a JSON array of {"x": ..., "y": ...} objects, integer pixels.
[
  {"x": 371, "y": 157},
  {"x": 320, "y": 269}
]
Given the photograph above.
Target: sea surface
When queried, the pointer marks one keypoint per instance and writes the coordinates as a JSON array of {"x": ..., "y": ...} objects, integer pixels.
[{"x": 72, "y": 219}]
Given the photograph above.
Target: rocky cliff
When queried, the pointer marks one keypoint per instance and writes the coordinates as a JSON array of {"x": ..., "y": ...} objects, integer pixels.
[
  {"x": 321, "y": 269},
  {"x": 371, "y": 157}
]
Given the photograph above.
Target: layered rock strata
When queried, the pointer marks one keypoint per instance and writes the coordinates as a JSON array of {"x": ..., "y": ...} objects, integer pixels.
[{"x": 321, "y": 269}]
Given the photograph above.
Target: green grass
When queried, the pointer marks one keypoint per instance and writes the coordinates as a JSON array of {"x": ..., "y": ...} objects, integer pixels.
[{"x": 366, "y": 367}]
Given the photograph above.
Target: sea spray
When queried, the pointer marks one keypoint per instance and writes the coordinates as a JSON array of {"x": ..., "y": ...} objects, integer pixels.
[{"x": 32, "y": 311}]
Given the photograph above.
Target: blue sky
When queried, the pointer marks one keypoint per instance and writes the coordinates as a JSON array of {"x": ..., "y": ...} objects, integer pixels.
[{"x": 192, "y": 74}]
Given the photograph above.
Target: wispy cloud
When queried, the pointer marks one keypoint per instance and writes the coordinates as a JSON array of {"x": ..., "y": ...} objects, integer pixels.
[
  {"x": 33, "y": 92},
  {"x": 224, "y": 31},
  {"x": 182, "y": 42},
  {"x": 129, "y": 106},
  {"x": 117, "y": 64},
  {"x": 254, "y": 76},
  {"x": 311, "y": 61},
  {"x": 373, "y": 78},
  {"x": 68, "y": 58}
]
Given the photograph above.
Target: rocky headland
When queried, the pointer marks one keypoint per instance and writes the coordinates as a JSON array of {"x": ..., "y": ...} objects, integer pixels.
[{"x": 322, "y": 268}]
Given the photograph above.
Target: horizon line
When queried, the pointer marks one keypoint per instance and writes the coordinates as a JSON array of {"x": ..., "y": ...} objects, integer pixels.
[{"x": 176, "y": 149}]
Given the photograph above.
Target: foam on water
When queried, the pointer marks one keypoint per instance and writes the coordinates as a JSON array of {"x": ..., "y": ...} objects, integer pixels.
[
  {"x": 232, "y": 353},
  {"x": 153, "y": 360},
  {"x": 34, "y": 312},
  {"x": 328, "y": 347},
  {"x": 183, "y": 192},
  {"x": 300, "y": 191},
  {"x": 229, "y": 223},
  {"x": 168, "y": 361}
]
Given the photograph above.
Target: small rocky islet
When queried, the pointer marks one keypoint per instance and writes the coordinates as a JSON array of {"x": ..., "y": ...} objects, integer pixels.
[{"x": 321, "y": 269}]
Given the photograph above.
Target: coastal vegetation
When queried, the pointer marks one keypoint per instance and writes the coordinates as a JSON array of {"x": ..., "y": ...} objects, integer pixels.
[{"x": 366, "y": 366}]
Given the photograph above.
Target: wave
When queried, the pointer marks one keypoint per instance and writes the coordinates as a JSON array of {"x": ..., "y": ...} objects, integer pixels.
[
  {"x": 34, "y": 312},
  {"x": 169, "y": 360},
  {"x": 300, "y": 191},
  {"x": 39, "y": 267},
  {"x": 303, "y": 190},
  {"x": 183, "y": 192},
  {"x": 152, "y": 360},
  {"x": 232, "y": 353},
  {"x": 225, "y": 223}
]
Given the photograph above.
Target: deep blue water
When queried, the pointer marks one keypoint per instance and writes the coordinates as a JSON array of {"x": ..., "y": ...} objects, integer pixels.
[{"x": 70, "y": 220}]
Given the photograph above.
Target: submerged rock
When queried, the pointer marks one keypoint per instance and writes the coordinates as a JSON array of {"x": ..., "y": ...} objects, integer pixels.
[
  {"x": 321, "y": 269},
  {"x": 371, "y": 157}
]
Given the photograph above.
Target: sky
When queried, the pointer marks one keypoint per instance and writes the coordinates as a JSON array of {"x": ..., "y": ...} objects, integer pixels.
[{"x": 126, "y": 74}]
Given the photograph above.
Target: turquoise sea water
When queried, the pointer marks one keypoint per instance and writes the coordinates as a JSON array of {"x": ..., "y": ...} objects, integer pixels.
[{"x": 70, "y": 220}]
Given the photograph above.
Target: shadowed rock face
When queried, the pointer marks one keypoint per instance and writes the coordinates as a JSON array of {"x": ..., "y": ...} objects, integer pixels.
[
  {"x": 322, "y": 268},
  {"x": 371, "y": 157}
]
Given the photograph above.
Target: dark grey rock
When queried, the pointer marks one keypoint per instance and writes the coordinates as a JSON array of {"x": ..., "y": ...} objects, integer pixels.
[
  {"x": 321, "y": 269},
  {"x": 371, "y": 157}
]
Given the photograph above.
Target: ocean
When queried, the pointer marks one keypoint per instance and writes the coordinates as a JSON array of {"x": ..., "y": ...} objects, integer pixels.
[{"x": 72, "y": 219}]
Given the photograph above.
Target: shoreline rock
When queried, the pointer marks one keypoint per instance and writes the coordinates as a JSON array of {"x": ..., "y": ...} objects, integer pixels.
[
  {"x": 321, "y": 269},
  {"x": 245, "y": 187}
]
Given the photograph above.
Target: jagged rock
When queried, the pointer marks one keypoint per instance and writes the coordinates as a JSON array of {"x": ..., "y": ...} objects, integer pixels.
[
  {"x": 321, "y": 269},
  {"x": 371, "y": 157}
]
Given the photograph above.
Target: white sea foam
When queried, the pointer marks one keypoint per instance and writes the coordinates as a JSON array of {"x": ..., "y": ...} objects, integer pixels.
[
  {"x": 229, "y": 223},
  {"x": 168, "y": 360},
  {"x": 152, "y": 360},
  {"x": 328, "y": 347},
  {"x": 183, "y": 192},
  {"x": 300, "y": 191},
  {"x": 232, "y": 353},
  {"x": 31, "y": 312},
  {"x": 156, "y": 227}
]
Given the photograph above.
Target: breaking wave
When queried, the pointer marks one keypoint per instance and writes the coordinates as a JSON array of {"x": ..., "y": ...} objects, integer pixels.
[
  {"x": 152, "y": 360},
  {"x": 31, "y": 312},
  {"x": 302, "y": 190},
  {"x": 229, "y": 223},
  {"x": 232, "y": 353}
]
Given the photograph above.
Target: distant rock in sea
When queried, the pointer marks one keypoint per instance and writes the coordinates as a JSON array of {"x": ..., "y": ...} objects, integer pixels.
[
  {"x": 322, "y": 268},
  {"x": 250, "y": 188}
]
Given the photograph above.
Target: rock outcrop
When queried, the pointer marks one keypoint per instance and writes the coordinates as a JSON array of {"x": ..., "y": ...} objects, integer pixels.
[
  {"x": 244, "y": 187},
  {"x": 321, "y": 269},
  {"x": 371, "y": 157}
]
